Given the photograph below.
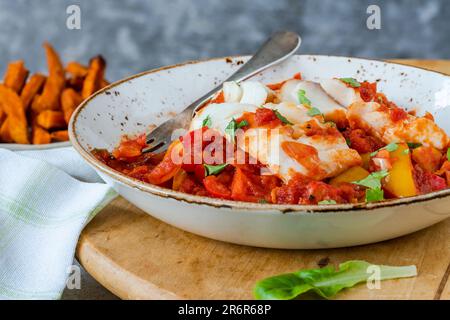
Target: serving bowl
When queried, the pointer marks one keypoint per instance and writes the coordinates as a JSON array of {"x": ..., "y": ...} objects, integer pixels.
[{"x": 133, "y": 105}]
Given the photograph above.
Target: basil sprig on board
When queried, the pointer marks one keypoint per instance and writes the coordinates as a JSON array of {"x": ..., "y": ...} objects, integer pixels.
[{"x": 326, "y": 282}]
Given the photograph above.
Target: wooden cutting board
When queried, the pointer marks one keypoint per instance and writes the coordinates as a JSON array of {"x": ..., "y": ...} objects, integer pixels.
[{"x": 138, "y": 257}]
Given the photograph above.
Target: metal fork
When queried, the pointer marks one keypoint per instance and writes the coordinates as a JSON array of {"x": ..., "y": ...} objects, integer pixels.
[{"x": 276, "y": 49}]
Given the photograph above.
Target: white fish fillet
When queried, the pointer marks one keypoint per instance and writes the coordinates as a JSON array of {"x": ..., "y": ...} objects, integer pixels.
[{"x": 369, "y": 116}]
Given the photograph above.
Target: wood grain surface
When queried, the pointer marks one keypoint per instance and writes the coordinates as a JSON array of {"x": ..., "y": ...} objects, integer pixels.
[{"x": 138, "y": 257}]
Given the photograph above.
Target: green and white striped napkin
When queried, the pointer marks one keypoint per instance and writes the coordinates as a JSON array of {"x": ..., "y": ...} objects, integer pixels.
[{"x": 46, "y": 199}]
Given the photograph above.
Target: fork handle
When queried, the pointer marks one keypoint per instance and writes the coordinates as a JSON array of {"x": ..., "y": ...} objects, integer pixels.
[
  {"x": 280, "y": 46},
  {"x": 276, "y": 49}
]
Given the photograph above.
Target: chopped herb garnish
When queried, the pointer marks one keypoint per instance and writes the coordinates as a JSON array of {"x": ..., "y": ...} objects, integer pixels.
[
  {"x": 211, "y": 170},
  {"x": 391, "y": 147},
  {"x": 373, "y": 183},
  {"x": 207, "y": 122},
  {"x": 374, "y": 195},
  {"x": 327, "y": 202},
  {"x": 314, "y": 112},
  {"x": 303, "y": 99},
  {"x": 262, "y": 201},
  {"x": 281, "y": 117},
  {"x": 406, "y": 151},
  {"x": 414, "y": 145},
  {"x": 231, "y": 128},
  {"x": 349, "y": 142},
  {"x": 448, "y": 154},
  {"x": 243, "y": 123},
  {"x": 351, "y": 81},
  {"x": 373, "y": 180}
]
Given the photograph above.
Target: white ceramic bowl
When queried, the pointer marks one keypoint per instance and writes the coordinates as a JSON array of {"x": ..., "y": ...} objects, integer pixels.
[{"x": 131, "y": 105}]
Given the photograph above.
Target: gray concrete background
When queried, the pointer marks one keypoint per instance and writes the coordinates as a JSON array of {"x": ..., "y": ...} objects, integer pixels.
[{"x": 137, "y": 35}]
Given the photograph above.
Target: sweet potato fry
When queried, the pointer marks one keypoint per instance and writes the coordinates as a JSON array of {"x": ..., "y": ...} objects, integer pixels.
[
  {"x": 40, "y": 135},
  {"x": 95, "y": 76},
  {"x": 75, "y": 83},
  {"x": 61, "y": 135},
  {"x": 17, "y": 121},
  {"x": 2, "y": 115},
  {"x": 53, "y": 61},
  {"x": 49, "y": 99},
  {"x": 76, "y": 69},
  {"x": 15, "y": 76},
  {"x": 31, "y": 88},
  {"x": 38, "y": 108},
  {"x": 70, "y": 99},
  {"x": 5, "y": 136},
  {"x": 104, "y": 83},
  {"x": 35, "y": 103},
  {"x": 50, "y": 119}
]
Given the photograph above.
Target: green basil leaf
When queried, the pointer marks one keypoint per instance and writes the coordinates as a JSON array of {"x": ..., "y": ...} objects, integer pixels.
[
  {"x": 413, "y": 145},
  {"x": 262, "y": 201},
  {"x": 448, "y": 154},
  {"x": 231, "y": 129},
  {"x": 211, "y": 170},
  {"x": 348, "y": 141},
  {"x": 303, "y": 99},
  {"x": 326, "y": 282},
  {"x": 232, "y": 126},
  {"x": 373, "y": 180},
  {"x": 327, "y": 202},
  {"x": 241, "y": 124},
  {"x": 314, "y": 112},
  {"x": 281, "y": 117},
  {"x": 391, "y": 147},
  {"x": 374, "y": 195},
  {"x": 207, "y": 122},
  {"x": 406, "y": 151},
  {"x": 351, "y": 81}
]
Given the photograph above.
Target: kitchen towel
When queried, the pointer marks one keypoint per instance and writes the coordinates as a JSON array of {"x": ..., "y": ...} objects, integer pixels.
[{"x": 46, "y": 199}]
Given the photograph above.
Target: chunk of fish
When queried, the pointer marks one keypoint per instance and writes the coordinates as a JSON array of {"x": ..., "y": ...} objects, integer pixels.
[
  {"x": 340, "y": 92},
  {"x": 316, "y": 95},
  {"x": 378, "y": 122}
]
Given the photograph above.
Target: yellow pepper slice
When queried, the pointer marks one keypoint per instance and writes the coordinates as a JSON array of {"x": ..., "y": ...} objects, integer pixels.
[
  {"x": 350, "y": 175},
  {"x": 365, "y": 160},
  {"x": 400, "y": 181}
]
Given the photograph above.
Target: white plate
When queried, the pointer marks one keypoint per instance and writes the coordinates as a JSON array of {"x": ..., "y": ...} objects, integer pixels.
[
  {"x": 22, "y": 147},
  {"x": 131, "y": 105}
]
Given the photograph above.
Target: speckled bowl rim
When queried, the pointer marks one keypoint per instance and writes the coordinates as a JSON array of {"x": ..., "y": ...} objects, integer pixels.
[{"x": 239, "y": 205}]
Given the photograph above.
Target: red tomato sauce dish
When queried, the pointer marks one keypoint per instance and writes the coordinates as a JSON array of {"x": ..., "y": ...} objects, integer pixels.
[{"x": 335, "y": 141}]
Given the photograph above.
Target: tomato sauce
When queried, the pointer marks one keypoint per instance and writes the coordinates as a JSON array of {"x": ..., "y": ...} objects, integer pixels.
[{"x": 251, "y": 182}]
